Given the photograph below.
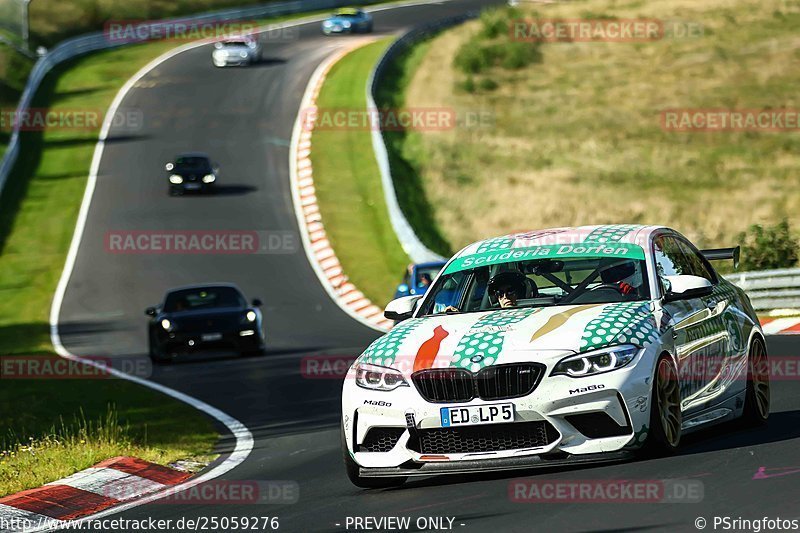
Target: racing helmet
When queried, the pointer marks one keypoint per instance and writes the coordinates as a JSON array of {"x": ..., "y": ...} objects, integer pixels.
[{"x": 515, "y": 281}]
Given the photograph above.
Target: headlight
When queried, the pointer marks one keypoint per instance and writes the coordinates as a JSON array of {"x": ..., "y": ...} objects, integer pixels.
[
  {"x": 166, "y": 324},
  {"x": 251, "y": 316},
  {"x": 345, "y": 24},
  {"x": 175, "y": 179},
  {"x": 375, "y": 377},
  {"x": 209, "y": 178},
  {"x": 242, "y": 54},
  {"x": 327, "y": 23},
  {"x": 596, "y": 362}
]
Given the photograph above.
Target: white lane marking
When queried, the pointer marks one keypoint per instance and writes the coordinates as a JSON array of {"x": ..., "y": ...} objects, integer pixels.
[{"x": 111, "y": 483}]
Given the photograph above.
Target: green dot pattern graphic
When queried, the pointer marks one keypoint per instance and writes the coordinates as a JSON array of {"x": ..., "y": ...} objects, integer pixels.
[
  {"x": 622, "y": 323},
  {"x": 384, "y": 351},
  {"x": 478, "y": 349},
  {"x": 493, "y": 245},
  {"x": 612, "y": 233}
]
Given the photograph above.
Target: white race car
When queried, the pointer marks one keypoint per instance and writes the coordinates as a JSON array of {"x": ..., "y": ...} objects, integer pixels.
[{"x": 561, "y": 345}]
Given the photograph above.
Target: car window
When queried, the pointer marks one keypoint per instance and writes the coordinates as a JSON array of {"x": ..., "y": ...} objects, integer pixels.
[
  {"x": 696, "y": 264},
  {"x": 675, "y": 257},
  {"x": 205, "y": 298},
  {"x": 573, "y": 280}
]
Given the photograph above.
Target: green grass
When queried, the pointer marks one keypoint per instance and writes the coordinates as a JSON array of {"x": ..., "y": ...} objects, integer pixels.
[
  {"x": 348, "y": 184},
  {"x": 576, "y": 135}
]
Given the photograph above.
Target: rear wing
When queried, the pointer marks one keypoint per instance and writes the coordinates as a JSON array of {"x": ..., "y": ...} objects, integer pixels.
[{"x": 722, "y": 254}]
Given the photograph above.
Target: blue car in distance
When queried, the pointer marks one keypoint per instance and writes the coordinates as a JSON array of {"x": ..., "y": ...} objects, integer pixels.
[
  {"x": 348, "y": 20},
  {"x": 418, "y": 278}
]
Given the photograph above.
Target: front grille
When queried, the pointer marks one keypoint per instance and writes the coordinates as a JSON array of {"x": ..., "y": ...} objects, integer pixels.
[
  {"x": 445, "y": 385},
  {"x": 486, "y": 438},
  {"x": 381, "y": 439}
]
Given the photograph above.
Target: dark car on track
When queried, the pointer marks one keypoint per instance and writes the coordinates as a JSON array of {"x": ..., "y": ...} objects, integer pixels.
[
  {"x": 191, "y": 172},
  {"x": 203, "y": 318}
]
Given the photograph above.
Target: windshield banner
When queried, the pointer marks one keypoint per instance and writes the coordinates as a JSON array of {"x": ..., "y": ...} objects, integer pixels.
[{"x": 551, "y": 251}]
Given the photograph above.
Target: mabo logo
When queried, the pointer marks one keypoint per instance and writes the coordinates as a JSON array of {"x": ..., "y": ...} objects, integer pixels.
[{"x": 590, "y": 388}]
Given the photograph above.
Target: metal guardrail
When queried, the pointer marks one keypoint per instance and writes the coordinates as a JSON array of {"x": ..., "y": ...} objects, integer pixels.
[
  {"x": 412, "y": 245},
  {"x": 93, "y": 42},
  {"x": 770, "y": 289}
]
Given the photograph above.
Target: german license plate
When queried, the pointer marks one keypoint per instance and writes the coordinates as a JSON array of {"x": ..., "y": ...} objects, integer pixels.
[
  {"x": 209, "y": 337},
  {"x": 477, "y": 414}
]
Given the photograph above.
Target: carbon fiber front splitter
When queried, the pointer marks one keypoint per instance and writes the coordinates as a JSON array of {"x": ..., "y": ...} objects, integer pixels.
[{"x": 493, "y": 465}]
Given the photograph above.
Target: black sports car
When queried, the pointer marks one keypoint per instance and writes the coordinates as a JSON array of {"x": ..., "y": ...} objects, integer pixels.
[
  {"x": 191, "y": 172},
  {"x": 204, "y": 318}
]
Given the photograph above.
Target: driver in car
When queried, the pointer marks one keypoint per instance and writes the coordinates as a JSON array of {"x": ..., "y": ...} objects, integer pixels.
[{"x": 505, "y": 288}]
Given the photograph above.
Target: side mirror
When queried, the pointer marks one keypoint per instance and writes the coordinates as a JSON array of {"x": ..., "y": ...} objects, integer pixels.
[
  {"x": 169, "y": 166},
  {"x": 150, "y": 311},
  {"x": 402, "y": 308},
  {"x": 257, "y": 302},
  {"x": 685, "y": 287},
  {"x": 215, "y": 167}
]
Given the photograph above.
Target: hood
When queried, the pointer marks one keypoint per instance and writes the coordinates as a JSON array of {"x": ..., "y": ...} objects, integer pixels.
[
  {"x": 340, "y": 20},
  {"x": 477, "y": 340}
]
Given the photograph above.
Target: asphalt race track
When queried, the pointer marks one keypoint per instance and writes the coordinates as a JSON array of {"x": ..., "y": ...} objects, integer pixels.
[{"x": 243, "y": 117}]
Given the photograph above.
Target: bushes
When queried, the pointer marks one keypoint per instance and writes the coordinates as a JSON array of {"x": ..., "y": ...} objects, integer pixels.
[
  {"x": 768, "y": 247},
  {"x": 493, "y": 47}
]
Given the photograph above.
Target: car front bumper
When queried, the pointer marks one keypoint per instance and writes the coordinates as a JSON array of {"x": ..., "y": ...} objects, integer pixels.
[
  {"x": 576, "y": 419},
  {"x": 175, "y": 343}
]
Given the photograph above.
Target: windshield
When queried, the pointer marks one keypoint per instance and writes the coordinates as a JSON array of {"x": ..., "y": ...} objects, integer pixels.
[
  {"x": 426, "y": 275},
  {"x": 206, "y": 298},
  {"x": 538, "y": 283},
  {"x": 199, "y": 164}
]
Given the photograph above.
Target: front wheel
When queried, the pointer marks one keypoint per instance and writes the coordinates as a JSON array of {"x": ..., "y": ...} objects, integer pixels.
[
  {"x": 356, "y": 479},
  {"x": 757, "y": 396},
  {"x": 665, "y": 410}
]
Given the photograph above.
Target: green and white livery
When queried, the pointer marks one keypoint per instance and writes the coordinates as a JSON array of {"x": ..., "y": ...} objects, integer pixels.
[{"x": 555, "y": 345}]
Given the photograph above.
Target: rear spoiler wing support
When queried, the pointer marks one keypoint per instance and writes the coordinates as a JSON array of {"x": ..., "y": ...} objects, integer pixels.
[{"x": 723, "y": 254}]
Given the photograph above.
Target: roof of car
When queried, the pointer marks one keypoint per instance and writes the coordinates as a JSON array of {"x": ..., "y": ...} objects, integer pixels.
[
  {"x": 348, "y": 11},
  {"x": 598, "y": 234},
  {"x": 204, "y": 286}
]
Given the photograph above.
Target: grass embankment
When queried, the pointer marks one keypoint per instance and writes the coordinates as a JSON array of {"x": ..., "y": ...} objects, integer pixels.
[
  {"x": 348, "y": 183},
  {"x": 73, "y": 423},
  {"x": 14, "y": 70},
  {"x": 577, "y": 135}
]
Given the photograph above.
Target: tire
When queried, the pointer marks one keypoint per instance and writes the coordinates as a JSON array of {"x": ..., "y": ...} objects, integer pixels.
[
  {"x": 664, "y": 435},
  {"x": 155, "y": 357},
  {"x": 352, "y": 470},
  {"x": 757, "y": 395}
]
